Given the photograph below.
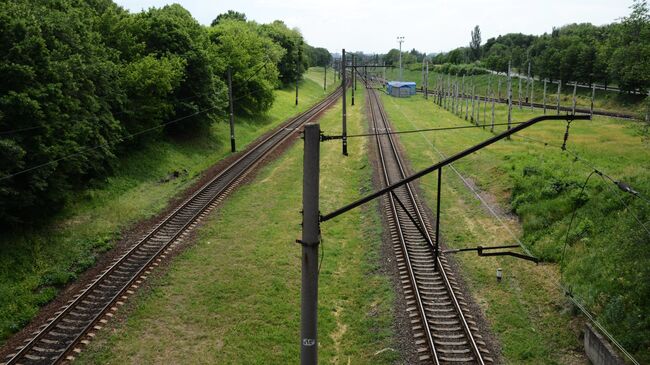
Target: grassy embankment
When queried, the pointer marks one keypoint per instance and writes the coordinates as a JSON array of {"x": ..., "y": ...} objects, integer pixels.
[
  {"x": 605, "y": 261},
  {"x": 605, "y": 100},
  {"x": 36, "y": 263},
  {"x": 234, "y": 296}
]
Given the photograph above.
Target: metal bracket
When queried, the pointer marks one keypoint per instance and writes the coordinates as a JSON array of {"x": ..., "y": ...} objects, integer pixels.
[
  {"x": 480, "y": 249},
  {"x": 308, "y": 244}
]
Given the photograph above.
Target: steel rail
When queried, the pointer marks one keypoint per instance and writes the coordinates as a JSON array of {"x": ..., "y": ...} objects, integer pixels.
[
  {"x": 374, "y": 101},
  {"x": 263, "y": 148},
  {"x": 411, "y": 273}
]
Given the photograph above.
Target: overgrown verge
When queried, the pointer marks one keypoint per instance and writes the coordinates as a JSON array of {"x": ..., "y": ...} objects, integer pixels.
[
  {"x": 36, "y": 263},
  {"x": 605, "y": 260},
  {"x": 234, "y": 296}
]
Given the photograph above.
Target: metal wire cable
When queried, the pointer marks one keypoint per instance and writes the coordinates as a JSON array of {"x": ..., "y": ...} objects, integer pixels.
[
  {"x": 411, "y": 131},
  {"x": 573, "y": 215},
  {"x": 592, "y": 166},
  {"x": 558, "y": 284}
]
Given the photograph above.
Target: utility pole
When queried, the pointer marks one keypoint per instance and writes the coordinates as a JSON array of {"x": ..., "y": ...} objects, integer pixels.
[
  {"x": 232, "y": 113},
  {"x": 593, "y": 96},
  {"x": 528, "y": 84},
  {"x": 298, "y": 68},
  {"x": 575, "y": 88},
  {"x": 492, "y": 127},
  {"x": 344, "y": 139},
  {"x": 532, "y": 93},
  {"x": 559, "y": 90},
  {"x": 310, "y": 241},
  {"x": 519, "y": 91},
  {"x": 400, "y": 39},
  {"x": 422, "y": 84},
  {"x": 509, "y": 97},
  {"x": 426, "y": 83},
  {"x": 325, "y": 77},
  {"x": 544, "y": 100},
  {"x": 354, "y": 78}
]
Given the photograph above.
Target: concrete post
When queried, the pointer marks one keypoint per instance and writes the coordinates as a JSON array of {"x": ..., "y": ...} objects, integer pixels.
[
  {"x": 544, "y": 99},
  {"x": 345, "y": 122},
  {"x": 532, "y": 93},
  {"x": 509, "y": 97},
  {"x": 593, "y": 96},
  {"x": 575, "y": 88},
  {"x": 310, "y": 241},
  {"x": 559, "y": 90},
  {"x": 232, "y": 114}
]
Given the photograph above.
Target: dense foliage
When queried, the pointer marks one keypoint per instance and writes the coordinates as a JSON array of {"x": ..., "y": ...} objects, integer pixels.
[
  {"x": 605, "y": 263},
  {"x": 86, "y": 81},
  {"x": 617, "y": 53}
]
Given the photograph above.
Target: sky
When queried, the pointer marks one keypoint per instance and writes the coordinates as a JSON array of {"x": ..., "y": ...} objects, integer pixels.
[{"x": 372, "y": 26}]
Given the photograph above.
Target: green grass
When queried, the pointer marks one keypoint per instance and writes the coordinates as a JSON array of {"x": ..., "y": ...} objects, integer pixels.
[
  {"x": 234, "y": 296},
  {"x": 605, "y": 100},
  {"x": 36, "y": 263},
  {"x": 605, "y": 260}
]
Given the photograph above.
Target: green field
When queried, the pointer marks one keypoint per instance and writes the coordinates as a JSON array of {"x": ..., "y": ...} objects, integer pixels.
[
  {"x": 605, "y": 260},
  {"x": 234, "y": 296},
  {"x": 35, "y": 264},
  {"x": 605, "y": 100}
]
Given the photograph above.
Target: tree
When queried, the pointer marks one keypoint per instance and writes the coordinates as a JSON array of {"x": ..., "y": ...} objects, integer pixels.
[
  {"x": 171, "y": 31},
  {"x": 60, "y": 81},
  {"x": 294, "y": 61},
  {"x": 318, "y": 56},
  {"x": 475, "y": 44},
  {"x": 231, "y": 15},
  {"x": 630, "y": 46},
  {"x": 252, "y": 58}
]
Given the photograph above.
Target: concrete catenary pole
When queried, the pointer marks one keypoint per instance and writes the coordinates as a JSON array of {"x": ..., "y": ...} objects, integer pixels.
[
  {"x": 344, "y": 138},
  {"x": 575, "y": 88},
  {"x": 559, "y": 90},
  {"x": 426, "y": 82},
  {"x": 544, "y": 99},
  {"x": 472, "y": 119},
  {"x": 325, "y": 77},
  {"x": 467, "y": 103},
  {"x": 354, "y": 78},
  {"x": 400, "y": 39},
  {"x": 298, "y": 68},
  {"x": 492, "y": 127},
  {"x": 532, "y": 93},
  {"x": 462, "y": 95},
  {"x": 593, "y": 96},
  {"x": 233, "y": 148},
  {"x": 509, "y": 97},
  {"x": 519, "y": 93},
  {"x": 528, "y": 84},
  {"x": 487, "y": 92},
  {"x": 310, "y": 241}
]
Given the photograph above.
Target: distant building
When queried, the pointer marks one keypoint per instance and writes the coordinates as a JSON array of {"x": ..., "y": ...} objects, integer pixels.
[{"x": 401, "y": 89}]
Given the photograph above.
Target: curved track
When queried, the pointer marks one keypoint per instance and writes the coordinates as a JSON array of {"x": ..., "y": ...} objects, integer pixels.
[
  {"x": 443, "y": 328},
  {"x": 74, "y": 324}
]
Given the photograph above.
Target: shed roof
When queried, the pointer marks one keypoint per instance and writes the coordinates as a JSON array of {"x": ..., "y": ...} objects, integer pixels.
[{"x": 401, "y": 83}]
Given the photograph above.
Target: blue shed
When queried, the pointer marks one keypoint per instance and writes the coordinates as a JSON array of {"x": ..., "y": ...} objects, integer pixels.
[{"x": 401, "y": 89}]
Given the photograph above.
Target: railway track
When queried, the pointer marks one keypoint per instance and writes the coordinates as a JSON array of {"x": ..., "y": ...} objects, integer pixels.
[
  {"x": 444, "y": 330},
  {"x": 62, "y": 336}
]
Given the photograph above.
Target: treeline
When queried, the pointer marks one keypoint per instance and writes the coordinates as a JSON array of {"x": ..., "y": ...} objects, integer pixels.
[
  {"x": 85, "y": 81},
  {"x": 617, "y": 53}
]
